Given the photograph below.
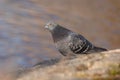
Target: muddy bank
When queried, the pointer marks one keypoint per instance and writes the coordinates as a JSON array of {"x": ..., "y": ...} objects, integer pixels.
[{"x": 96, "y": 66}]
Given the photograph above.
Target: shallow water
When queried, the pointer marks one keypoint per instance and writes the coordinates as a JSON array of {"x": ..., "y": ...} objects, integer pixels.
[{"x": 24, "y": 41}]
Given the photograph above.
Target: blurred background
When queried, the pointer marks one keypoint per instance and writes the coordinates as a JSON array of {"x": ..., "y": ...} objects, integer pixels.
[{"x": 24, "y": 42}]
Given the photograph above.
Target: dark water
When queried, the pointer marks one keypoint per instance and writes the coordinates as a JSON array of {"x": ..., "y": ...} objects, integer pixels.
[{"x": 24, "y": 41}]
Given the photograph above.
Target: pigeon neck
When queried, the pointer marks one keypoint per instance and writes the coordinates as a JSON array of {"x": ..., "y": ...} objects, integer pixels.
[{"x": 60, "y": 33}]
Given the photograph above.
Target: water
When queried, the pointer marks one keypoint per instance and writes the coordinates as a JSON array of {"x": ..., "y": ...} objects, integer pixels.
[{"x": 24, "y": 41}]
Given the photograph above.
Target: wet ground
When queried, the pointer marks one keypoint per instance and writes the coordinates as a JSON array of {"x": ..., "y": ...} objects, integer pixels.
[{"x": 24, "y": 41}]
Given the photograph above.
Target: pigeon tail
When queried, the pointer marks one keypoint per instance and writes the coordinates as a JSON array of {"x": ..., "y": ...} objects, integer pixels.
[{"x": 97, "y": 49}]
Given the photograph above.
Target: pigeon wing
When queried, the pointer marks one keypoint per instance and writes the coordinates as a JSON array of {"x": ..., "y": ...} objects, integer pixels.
[{"x": 79, "y": 44}]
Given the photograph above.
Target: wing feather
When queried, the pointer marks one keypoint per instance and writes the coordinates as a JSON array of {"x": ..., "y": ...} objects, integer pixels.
[{"x": 79, "y": 44}]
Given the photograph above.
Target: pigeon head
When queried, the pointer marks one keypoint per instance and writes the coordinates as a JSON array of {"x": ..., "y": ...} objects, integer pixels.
[
  {"x": 51, "y": 26},
  {"x": 58, "y": 32}
]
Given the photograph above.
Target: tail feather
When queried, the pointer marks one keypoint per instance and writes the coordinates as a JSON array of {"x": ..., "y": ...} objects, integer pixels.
[
  {"x": 100, "y": 49},
  {"x": 97, "y": 49}
]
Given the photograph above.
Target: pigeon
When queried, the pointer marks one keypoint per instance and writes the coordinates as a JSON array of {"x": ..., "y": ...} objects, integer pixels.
[{"x": 70, "y": 43}]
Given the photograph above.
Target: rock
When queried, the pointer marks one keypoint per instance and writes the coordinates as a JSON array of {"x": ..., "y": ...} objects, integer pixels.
[{"x": 94, "y": 66}]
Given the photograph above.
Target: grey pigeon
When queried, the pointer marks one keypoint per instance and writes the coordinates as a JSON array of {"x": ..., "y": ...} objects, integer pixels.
[{"x": 69, "y": 42}]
